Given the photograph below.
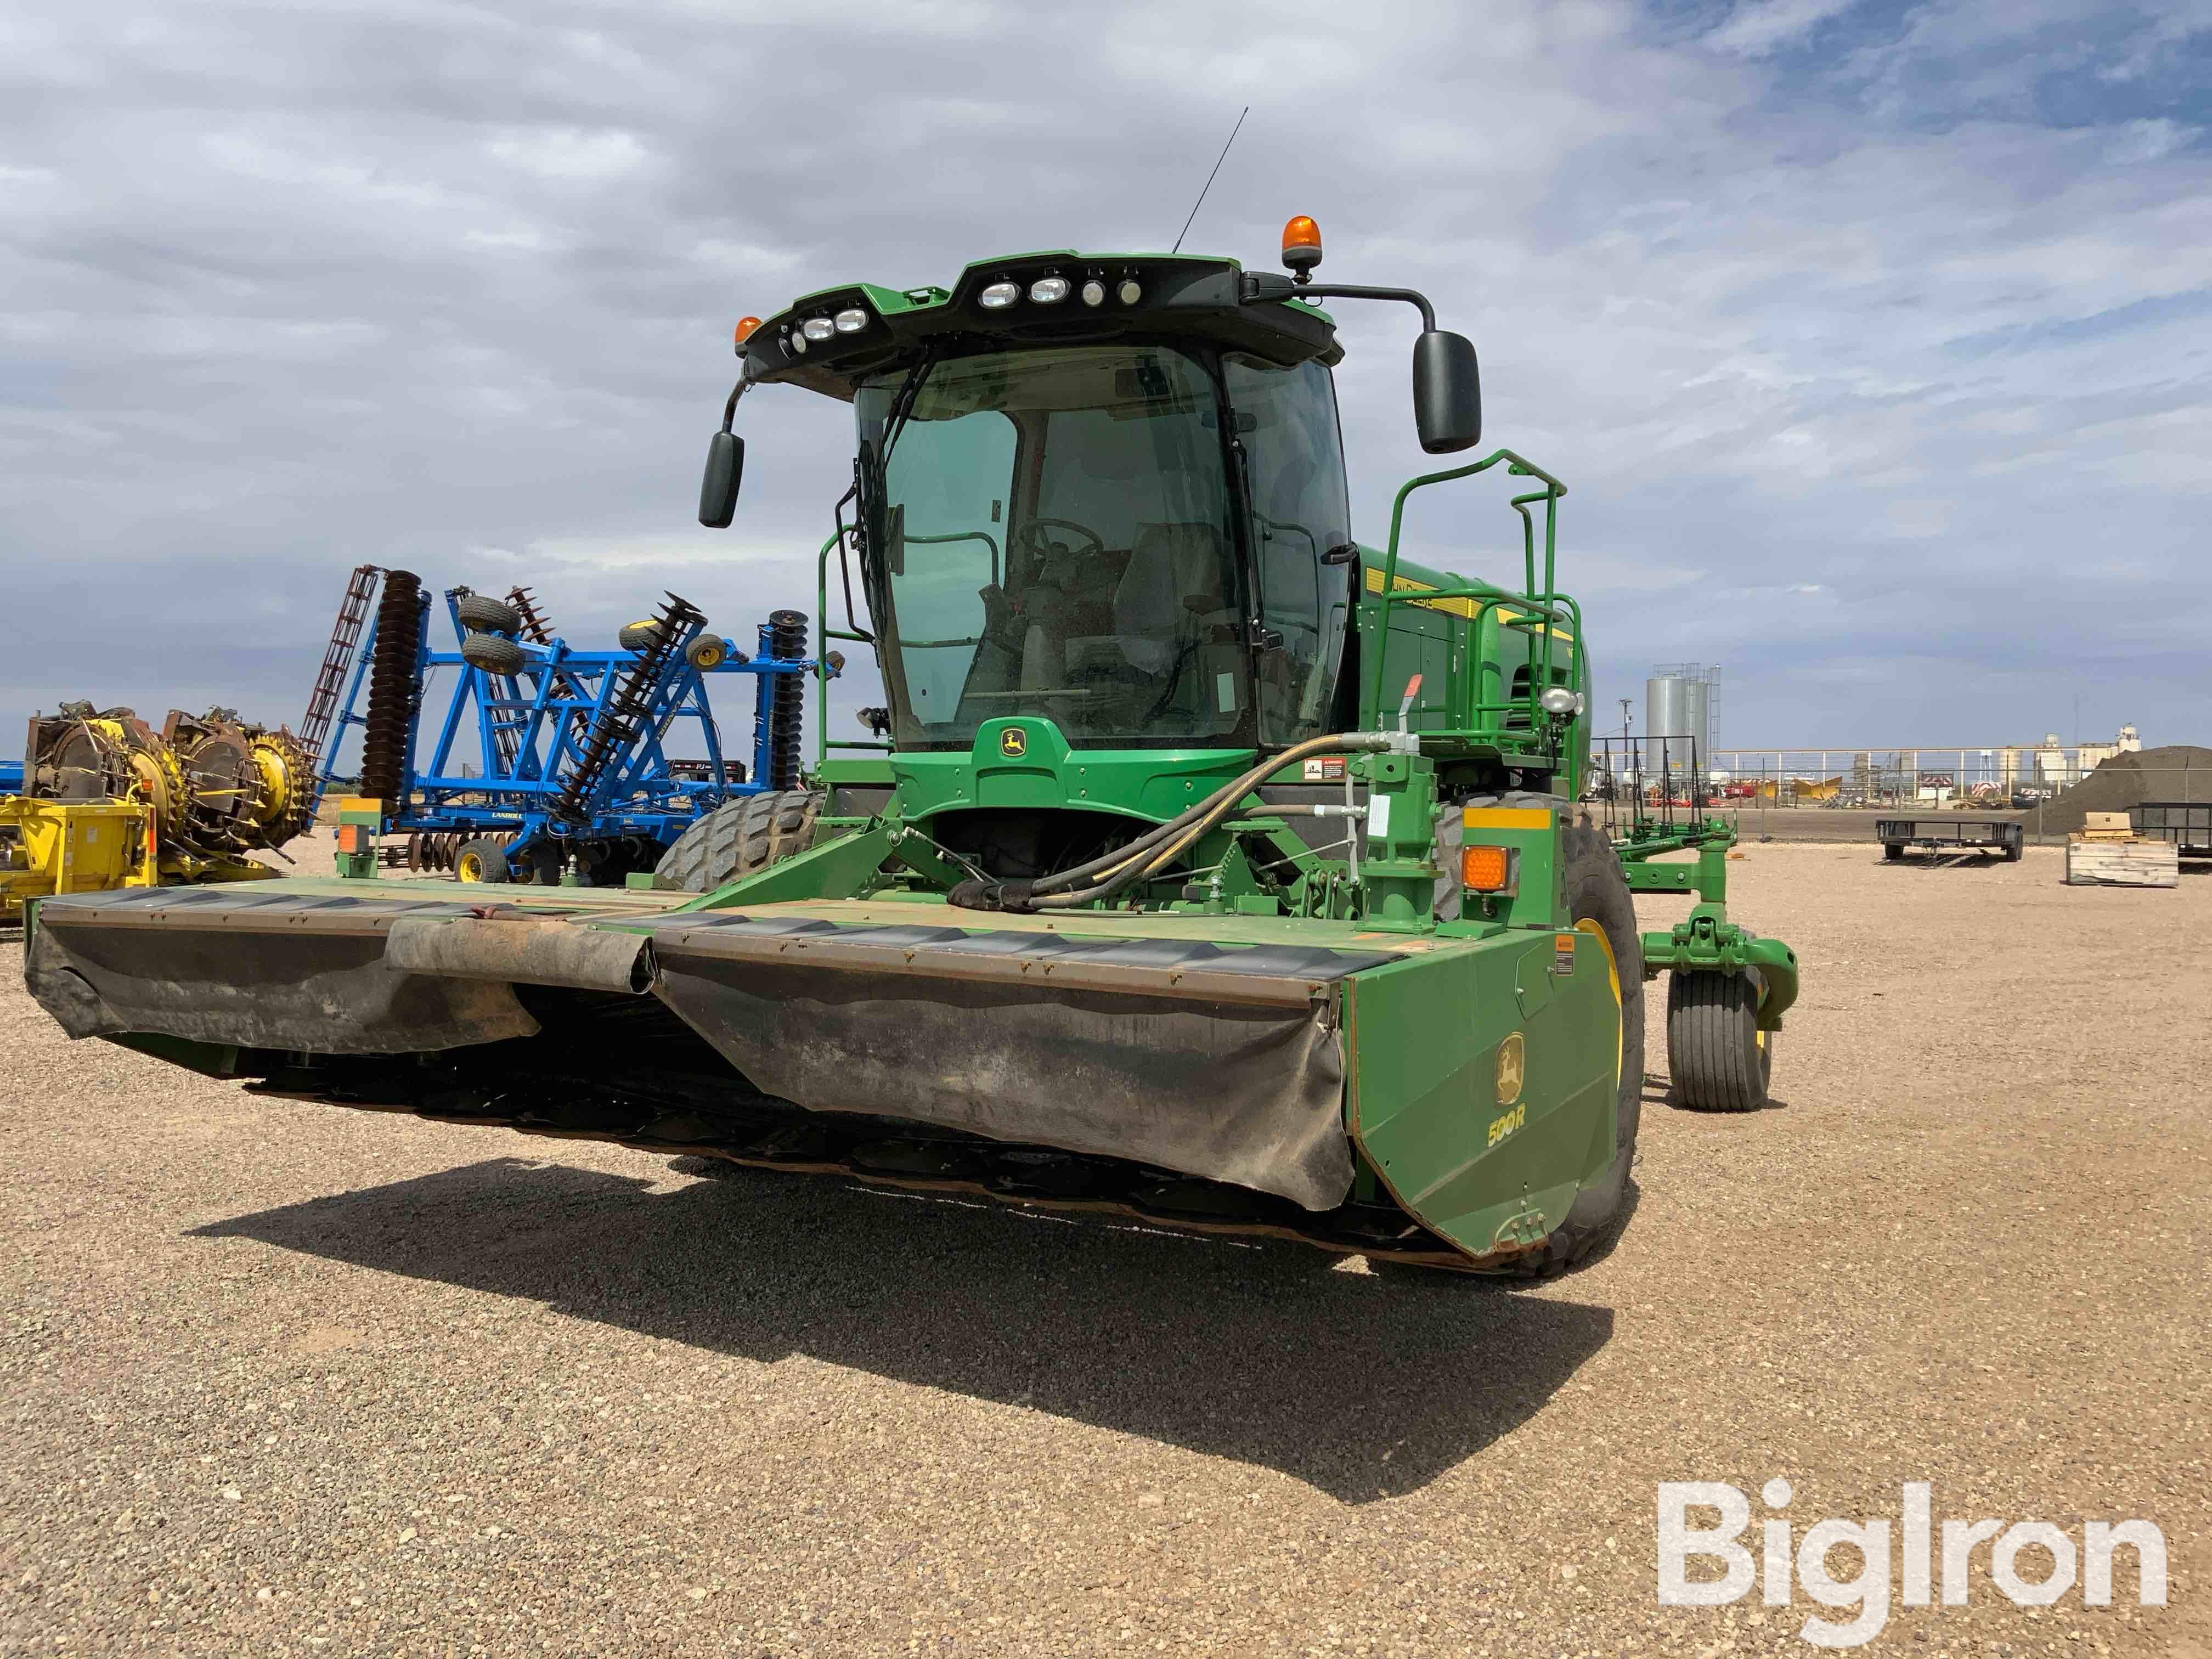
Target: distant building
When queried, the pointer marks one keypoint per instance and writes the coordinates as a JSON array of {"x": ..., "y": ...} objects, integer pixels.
[
  {"x": 2093, "y": 755},
  {"x": 2047, "y": 763}
]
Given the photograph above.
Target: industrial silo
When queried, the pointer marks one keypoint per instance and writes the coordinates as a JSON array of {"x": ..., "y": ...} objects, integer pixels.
[
  {"x": 1664, "y": 716},
  {"x": 1697, "y": 725},
  {"x": 1677, "y": 706}
]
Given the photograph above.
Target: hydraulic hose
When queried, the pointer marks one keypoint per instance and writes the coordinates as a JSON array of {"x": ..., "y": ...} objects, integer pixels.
[
  {"x": 1206, "y": 808},
  {"x": 1159, "y": 845}
]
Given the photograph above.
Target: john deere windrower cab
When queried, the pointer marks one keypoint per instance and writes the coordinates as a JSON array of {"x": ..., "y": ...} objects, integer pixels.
[{"x": 1201, "y": 862}]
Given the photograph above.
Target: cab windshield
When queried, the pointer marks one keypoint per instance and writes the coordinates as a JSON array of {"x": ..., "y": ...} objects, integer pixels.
[{"x": 1053, "y": 538}]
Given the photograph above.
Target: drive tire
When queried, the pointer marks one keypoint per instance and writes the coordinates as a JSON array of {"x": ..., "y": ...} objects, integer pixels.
[
  {"x": 740, "y": 838},
  {"x": 482, "y": 612},
  {"x": 1596, "y": 891},
  {"x": 1721, "y": 1060},
  {"x": 482, "y": 859},
  {"x": 492, "y": 654}
]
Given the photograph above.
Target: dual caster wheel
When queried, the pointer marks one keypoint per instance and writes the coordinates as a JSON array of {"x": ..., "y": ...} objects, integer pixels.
[
  {"x": 1720, "y": 1059},
  {"x": 489, "y": 642}
]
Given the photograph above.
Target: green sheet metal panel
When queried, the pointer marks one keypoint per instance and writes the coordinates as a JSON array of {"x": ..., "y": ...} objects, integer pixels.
[{"x": 1425, "y": 1107}]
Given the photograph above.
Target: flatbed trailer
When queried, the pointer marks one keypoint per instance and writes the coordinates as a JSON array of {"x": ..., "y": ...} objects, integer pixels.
[
  {"x": 2000, "y": 835},
  {"x": 2187, "y": 825}
]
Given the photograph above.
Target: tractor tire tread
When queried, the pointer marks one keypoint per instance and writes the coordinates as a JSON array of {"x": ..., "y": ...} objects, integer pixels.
[
  {"x": 493, "y": 653},
  {"x": 741, "y": 838},
  {"x": 491, "y": 858},
  {"x": 487, "y": 615},
  {"x": 1713, "y": 1048}
]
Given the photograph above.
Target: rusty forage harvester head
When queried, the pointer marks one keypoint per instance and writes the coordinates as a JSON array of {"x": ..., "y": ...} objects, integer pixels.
[{"x": 218, "y": 787}]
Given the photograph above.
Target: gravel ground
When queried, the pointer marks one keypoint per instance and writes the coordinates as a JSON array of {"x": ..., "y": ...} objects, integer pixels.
[{"x": 281, "y": 1379}]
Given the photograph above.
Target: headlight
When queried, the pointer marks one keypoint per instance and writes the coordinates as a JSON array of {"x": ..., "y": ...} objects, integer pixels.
[
  {"x": 1049, "y": 290},
  {"x": 817, "y": 328},
  {"x": 999, "y": 295},
  {"x": 852, "y": 320},
  {"x": 1561, "y": 701},
  {"x": 1094, "y": 293},
  {"x": 797, "y": 344},
  {"x": 1129, "y": 292}
]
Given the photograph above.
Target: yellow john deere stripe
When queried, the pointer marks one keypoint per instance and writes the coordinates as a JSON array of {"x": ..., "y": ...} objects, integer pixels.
[
  {"x": 1504, "y": 613},
  {"x": 1505, "y": 818}
]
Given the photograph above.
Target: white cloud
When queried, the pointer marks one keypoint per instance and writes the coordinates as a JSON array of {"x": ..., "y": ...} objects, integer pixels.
[
  {"x": 570, "y": 153},
  {"x": 1757, "y": 27},
  {"x": 2149, "y": 141},
  {"x": 1817, "y": 347}
]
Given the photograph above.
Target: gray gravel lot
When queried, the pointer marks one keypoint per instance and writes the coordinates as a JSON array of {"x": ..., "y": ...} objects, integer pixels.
[{"x": 283, "y": 1379}]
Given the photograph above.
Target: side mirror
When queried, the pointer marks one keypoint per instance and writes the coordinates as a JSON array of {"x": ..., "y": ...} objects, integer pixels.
[
  {"x": 1447, "y": 393},
  {"x": 718, "y": 491}
]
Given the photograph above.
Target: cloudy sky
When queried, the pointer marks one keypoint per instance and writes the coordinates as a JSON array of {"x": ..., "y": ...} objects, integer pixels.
[{"x": 1871, "y": 338}]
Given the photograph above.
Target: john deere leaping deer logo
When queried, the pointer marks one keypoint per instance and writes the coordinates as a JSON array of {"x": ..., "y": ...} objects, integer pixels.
[
  {"x": 1013, "y": 743},
  {"x": 1512, "y": 1068}
]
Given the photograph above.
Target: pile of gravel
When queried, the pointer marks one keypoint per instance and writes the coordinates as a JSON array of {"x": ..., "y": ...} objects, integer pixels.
[{"x": 2179, "y": 771}]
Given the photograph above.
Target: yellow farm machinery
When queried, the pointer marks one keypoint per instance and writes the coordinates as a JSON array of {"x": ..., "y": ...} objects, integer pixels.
[{"x": 107, "y": 801}]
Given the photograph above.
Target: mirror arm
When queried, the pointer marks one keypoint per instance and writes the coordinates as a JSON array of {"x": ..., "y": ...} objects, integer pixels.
[
  {"x": 1262, "y": 286},
  {"x": 730, "y": 409}
]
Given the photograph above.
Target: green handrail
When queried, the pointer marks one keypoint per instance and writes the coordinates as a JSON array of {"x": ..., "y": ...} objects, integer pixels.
[
  {"x": 823, "y": 634},
  {"x": 1517, "y": 466}
]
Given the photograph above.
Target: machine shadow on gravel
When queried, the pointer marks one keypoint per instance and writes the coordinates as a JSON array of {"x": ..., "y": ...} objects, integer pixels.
[{"x": 1364, "y": 1387}]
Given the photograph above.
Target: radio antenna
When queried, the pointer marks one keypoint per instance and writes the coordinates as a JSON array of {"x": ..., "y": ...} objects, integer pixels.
[{"x": 1208, "y": 185}]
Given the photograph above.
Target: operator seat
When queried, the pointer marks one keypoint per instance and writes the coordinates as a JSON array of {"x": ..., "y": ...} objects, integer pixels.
[
  {"x": 1170, "y": 564},
  {"x": 1052, "y": 604}
]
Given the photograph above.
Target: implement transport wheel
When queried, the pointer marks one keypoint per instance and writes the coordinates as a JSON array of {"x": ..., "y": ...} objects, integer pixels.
[
  {"x": 639, "y": 635},
  {"x": 486, "y": 614},
  {"x": 482, "y": 860},
  {"x": 1599, "y": 903},
  {"x": 1892, "y": 849},
  {"x": 493, "y": 653},
  {"x": 740, "y": 837},
  {"x": 1720, "y": 1057}
]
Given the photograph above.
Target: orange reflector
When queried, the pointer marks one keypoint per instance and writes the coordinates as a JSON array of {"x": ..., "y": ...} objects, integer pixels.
[
  {"x": 1483, "y": 869},
  {"x": 353, "y": 838},
  {"x": 745, "y": 327},
  {"x": 1301, "y": 232}
]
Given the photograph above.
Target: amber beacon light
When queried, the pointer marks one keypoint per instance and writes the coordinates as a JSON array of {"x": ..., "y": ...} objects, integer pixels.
[{"x": 1301, "y": 246}]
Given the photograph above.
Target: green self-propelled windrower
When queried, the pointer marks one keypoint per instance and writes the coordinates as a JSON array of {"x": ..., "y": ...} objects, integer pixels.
[{"x": 1202, "y": 861}]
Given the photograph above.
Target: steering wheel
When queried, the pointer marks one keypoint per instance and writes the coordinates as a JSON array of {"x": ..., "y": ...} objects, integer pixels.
[{"x": 1044, "y": 550}]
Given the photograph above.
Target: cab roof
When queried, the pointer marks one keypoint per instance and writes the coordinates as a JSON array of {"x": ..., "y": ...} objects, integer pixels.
[{"x": 1103, "y": 297}]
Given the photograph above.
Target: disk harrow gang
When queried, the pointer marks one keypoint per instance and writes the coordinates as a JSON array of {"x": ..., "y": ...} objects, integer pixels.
[
  {"x": 616, "y": 730},
  {"x": 394, "y": 687}
]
